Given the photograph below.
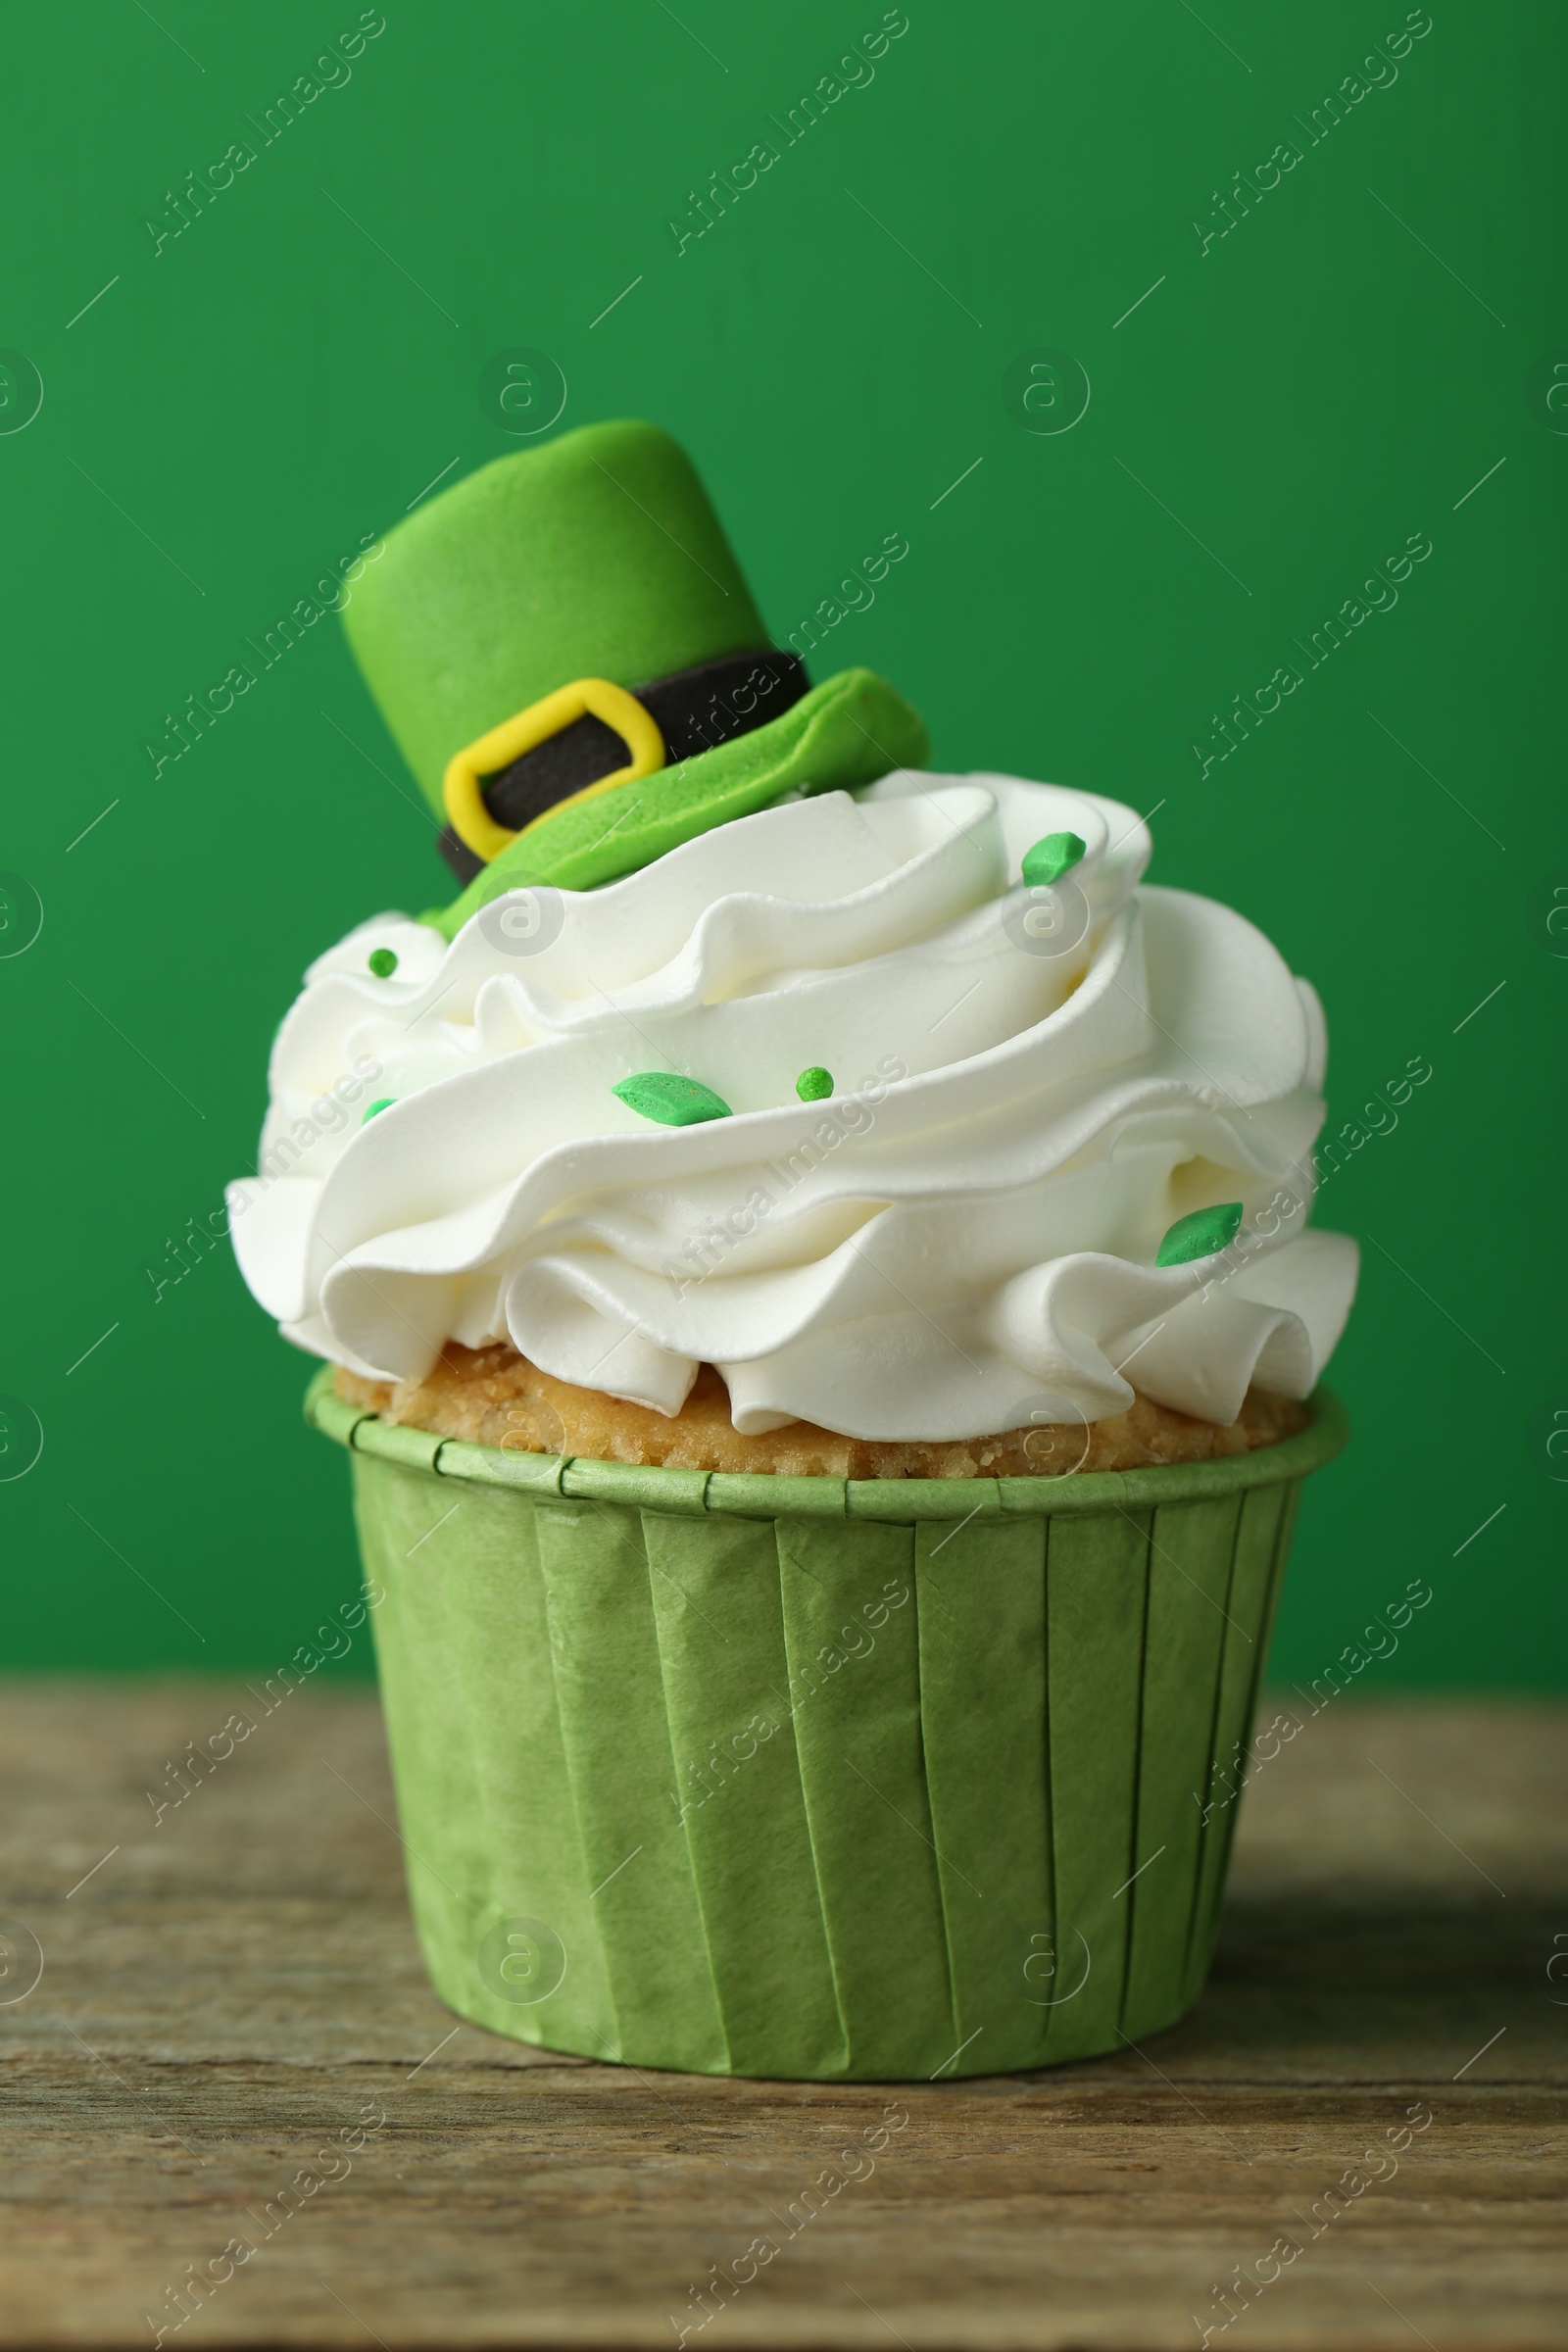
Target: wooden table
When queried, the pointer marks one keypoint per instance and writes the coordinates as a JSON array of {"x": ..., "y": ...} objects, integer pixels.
[{"x": 232, "y": 1997}]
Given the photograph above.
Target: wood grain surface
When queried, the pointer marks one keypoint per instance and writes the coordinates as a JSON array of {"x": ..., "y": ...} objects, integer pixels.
[{"x": 232, "y": 2003}]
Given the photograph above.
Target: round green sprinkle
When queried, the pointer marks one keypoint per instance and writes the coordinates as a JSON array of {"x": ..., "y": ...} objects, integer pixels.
[
  {"x": 371, "y": 1108},
  {"x": 1200, "y": 1235},
  {"x": 384, "y": 962},
  {"x": 673, "y": 1101},
  {"x": 1050, "y": 858},
  {"x": 814, "y": 1085}
]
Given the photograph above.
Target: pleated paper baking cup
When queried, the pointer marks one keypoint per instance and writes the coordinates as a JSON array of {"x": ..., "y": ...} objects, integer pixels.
[{"x": 830, "y": 1779}]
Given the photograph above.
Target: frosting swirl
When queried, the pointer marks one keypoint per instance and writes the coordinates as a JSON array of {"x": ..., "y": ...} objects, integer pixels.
[{"x": 1030, "y": 1085}]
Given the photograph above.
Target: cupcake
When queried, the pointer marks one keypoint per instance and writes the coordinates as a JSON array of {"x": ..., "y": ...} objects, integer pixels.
[{"x": 810, "y": 1262}]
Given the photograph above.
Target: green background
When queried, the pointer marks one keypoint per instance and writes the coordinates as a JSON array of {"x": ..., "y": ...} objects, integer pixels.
[{"x": 240, "y": 407}]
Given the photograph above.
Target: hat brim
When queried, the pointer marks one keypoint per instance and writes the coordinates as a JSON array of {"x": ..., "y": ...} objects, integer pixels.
[{"x": 850, "y": 730}]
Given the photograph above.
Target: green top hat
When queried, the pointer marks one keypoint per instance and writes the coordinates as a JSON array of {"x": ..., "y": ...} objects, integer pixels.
[{"x": 570, "y": 660}]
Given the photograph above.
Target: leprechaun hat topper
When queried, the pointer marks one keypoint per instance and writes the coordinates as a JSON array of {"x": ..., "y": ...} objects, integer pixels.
[{"x": 568, "y": 658}]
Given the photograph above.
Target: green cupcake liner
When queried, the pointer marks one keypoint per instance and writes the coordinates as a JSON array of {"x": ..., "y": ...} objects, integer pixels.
[{"x": 827, "y": 1780}]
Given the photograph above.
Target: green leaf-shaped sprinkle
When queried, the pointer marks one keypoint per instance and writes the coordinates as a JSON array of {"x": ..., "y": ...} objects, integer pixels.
[
  {"x": 1200, "y": 1235},
  {"x": 814, "y": 1085},
  {"x": 672, "y": 1100},
  {"x": 371, "y": 1108},
  {"x": 1050, "y": 859}
]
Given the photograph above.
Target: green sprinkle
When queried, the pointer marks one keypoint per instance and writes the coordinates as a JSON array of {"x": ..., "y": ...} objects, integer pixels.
[
  {"x": 1200, "y": 1235},
  {"x": 814, "y": 1085},
  {"x": 1050, "y": 859},
  {"x": 385, "y": 1104},
  {"x": 672, "y": 1100},
  {"x": 384, "y": 962}
]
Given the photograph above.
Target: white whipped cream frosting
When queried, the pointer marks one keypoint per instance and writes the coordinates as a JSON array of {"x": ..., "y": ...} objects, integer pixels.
[{"x": 960, "y": 1240}]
